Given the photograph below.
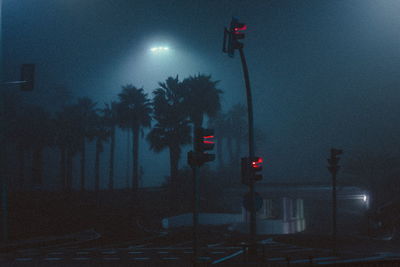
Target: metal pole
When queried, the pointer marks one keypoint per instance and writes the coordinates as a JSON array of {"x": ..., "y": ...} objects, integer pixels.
[
  {"x": 3, "y": 192},
  {"x": 196, "y": 207},
  {"x": 253, "y": 222},
  {"x": 334, "y": 210}
]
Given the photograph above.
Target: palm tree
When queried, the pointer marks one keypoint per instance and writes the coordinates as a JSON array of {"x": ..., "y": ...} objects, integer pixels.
[
  {"x": 111, "y": 120},
  {"x": 101, "y": 135},
  {"x": 68, "y": 140},
  {"x": 172, "y": 129},
  {"x": 87, "y": 113},
  {"x": 39, "y": 135},
  {"x": 201, "y": 97},
  {"x": 22, "y": 142},
  {"x": 134, "y": 109}
]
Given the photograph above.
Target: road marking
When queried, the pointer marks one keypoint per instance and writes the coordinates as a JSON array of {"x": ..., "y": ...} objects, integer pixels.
[
  {"x": 81, "y": 259},
  {"x": 135, "y": 252},
  {"x": 353, "y": 260},
  {"x": 296, "y": 249},
  {"x": 170, "y": 258},
  {"x": 111, "y": 259},
  {"x": 218, "y": 252},
  {"x": 140, "y": 259},
  {"x": 324, "y": 258},
  {"x": 52, "y": 259},
  {"x": 267, "y": 241},
  {"x": 214, "y": 245},
  {"x": 163, "y": 252},
  {"x": 300, "y": 261},
  {"x": 228, "y": 257},
  {"x": 140, "y": 246},
  {"x": 204, "y": 258},
  {"x": 23, "y": 259}
]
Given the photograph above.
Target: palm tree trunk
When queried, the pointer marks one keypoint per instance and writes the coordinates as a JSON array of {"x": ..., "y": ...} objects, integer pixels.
[
  {"x": 83, "y": 161},
  {"x": 219, "y": 152},
  {"x": 238, "y": 150},
  {"x": 68, "y": 180},
  {"x": 135, "y": 162},
  {"x": 230, "y": 149},
  {"x": 111, "y": 167},
  {"x": 97, "y": 167},
  {"x": 37, "y": 166},
  {"x": 128, "y": 157},
  {"x": 174, "y": 154},
  {"x": 21, "y": 170},
  {"x": 62, "y": 166}
]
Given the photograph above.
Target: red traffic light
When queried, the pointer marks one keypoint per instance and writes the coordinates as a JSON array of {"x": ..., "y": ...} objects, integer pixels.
[
  {"x": 206, "y": 141},
  {"x": 256, "y": 163},
  {"x": 203, "y": 139},
  {"x": 240, "y": 27}
]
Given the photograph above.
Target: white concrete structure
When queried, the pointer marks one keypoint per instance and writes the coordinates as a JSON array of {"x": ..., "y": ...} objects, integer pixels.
[
  {"x": 283, "y": 210},
  {"x": 204, "y": 218}
]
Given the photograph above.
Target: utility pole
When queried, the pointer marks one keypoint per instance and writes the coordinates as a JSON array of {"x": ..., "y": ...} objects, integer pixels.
[
  {"x": 3, "y": 174},
  {"x": 196, "y": 209},
  {"x": 230, "y": 44},
  {"x": 334, "y": 168},
  {"x": 202, "y": 142}
]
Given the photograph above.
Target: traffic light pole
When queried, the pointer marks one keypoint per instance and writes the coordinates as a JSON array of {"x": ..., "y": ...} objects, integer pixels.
[
  {"x": 334, "y": 168},
  {"x": 196, "y": 207},
  {"x": 3, "y": 177},
  {"x": 334, "y": 210},
  {"x": 253, "y": 221}
]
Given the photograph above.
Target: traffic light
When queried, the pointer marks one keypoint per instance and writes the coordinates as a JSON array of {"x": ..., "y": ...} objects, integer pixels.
[
  {"x": 250, "y": 169},
  {"x": 334, "y": 160},
  {"x": 236, "y": 29},
  {"x": 232, "y": 37},
  {"x": 27, "y": 77},
  {"x": 256, "y": 167},
  {"x": 203, "y": 141}
]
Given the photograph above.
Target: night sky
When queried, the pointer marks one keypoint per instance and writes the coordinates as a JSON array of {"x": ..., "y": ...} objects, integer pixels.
[{"x": 323, "y": 73}]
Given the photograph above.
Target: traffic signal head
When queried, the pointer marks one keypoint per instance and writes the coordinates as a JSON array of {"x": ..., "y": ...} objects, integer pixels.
[
  {"x": 335, "y": 152},
  {"x": 334, "y": 160},
  {"x": 203, "y": 139},
  {"x": 250, "y": 169},
  {"x": 237, "y": 28},
  {"x": 232, "y": 37},
  {"x": 256, "y": 167}
]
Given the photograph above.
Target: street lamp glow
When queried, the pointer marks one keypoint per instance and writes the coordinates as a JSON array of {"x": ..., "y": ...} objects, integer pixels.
[{"x": 158, "y": 49}]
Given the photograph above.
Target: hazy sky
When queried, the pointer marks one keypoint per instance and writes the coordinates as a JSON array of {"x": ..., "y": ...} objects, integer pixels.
[{"x": 324, "y": 73}]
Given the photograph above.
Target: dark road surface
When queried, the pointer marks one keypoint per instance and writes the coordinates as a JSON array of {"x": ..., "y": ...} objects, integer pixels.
[{"x": 175, "y": 249}]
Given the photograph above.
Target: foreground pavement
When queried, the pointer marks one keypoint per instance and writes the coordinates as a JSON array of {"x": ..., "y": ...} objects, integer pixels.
[{"x": 175, "y": 249}]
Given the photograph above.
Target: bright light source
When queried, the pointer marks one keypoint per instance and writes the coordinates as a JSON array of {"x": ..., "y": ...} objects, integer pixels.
[
  {"x": 159, "y": 49},
  {"x": 365, "y": 198}
]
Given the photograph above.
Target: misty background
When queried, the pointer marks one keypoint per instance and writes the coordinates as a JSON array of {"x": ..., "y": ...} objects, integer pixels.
[{"x": 323, "y": 73}]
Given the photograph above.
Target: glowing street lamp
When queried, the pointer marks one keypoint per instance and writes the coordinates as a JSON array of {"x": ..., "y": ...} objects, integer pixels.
[{"x": 158, "y": 49}]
